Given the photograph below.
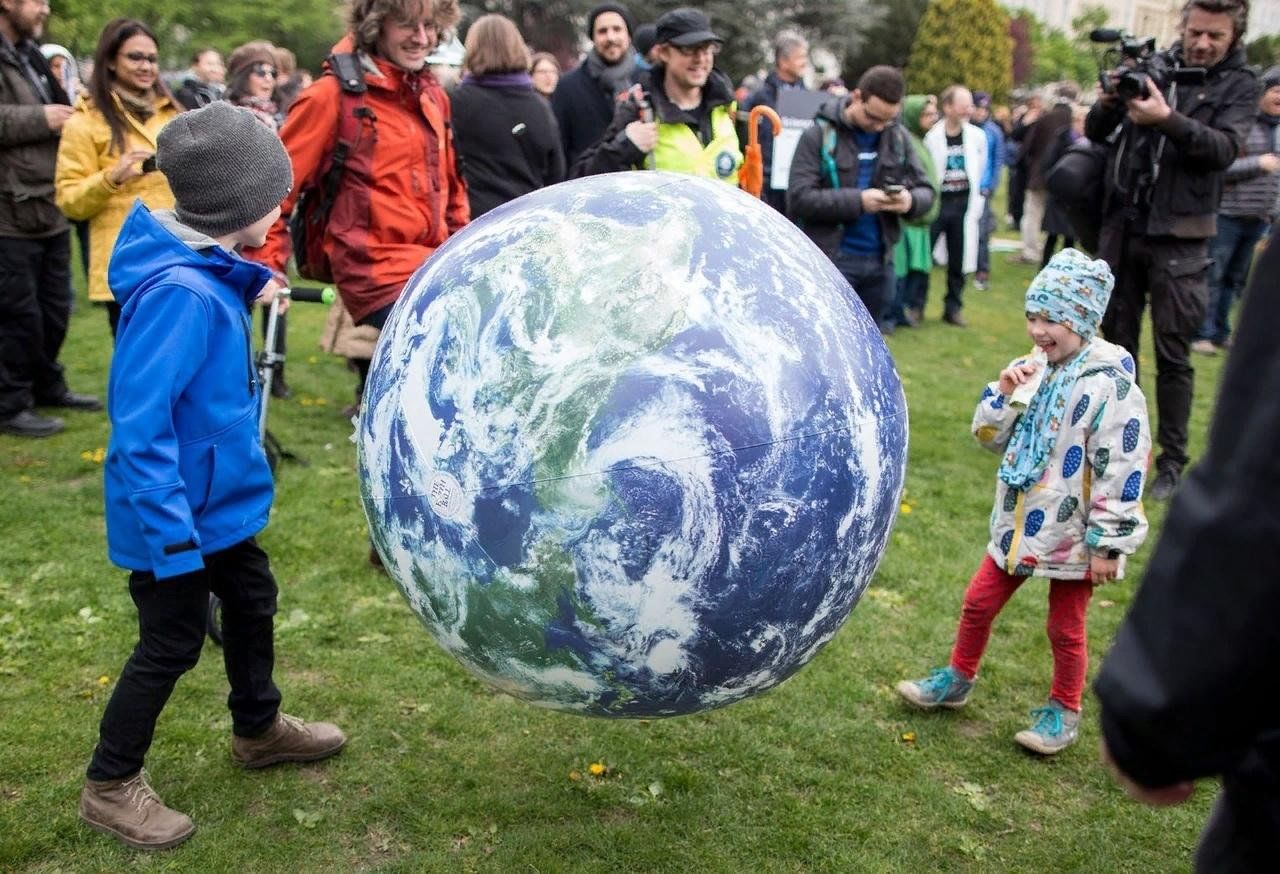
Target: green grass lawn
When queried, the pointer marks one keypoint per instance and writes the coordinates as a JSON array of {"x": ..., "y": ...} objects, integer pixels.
[{"x": 829, "y": 772}]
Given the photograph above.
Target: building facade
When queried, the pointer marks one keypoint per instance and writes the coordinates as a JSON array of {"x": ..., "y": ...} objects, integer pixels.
[{"x": 1158, "y": 18}]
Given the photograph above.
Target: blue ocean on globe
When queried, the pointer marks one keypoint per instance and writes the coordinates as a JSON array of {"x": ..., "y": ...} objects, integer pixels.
[{"x": 631, "y": 447}]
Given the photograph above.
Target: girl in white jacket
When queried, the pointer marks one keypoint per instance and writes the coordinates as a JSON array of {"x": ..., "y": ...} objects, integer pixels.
[{"x": 1072, "y": 427}]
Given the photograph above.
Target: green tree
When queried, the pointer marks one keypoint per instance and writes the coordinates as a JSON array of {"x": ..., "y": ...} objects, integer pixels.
[
  {"x": 887, "y": 32},
  {"x": 1263, "y": 51},
  {"x": 965, "y": 42},
  {"x": 308, "y": 27}
]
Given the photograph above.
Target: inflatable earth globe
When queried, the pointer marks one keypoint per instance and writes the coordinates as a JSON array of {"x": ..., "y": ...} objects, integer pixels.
[{"x": 631, "y": 446}]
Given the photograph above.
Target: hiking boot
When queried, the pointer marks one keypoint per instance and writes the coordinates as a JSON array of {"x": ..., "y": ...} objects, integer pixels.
[
  {"x": 29, "y": 423},
  {"x": 1204, "y": 347},
  {"x": 1164, "y": 485},
  {"x": 72, "y": 401},
  {"x": 288, "y": 740},
  {"x": 942, "y": 688},
  {"x": 130, "y": 810},
  {"x": 1053, "y": 729}
]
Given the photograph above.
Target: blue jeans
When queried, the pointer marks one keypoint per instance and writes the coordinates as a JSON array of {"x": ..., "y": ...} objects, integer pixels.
[
  {"x": 872, "y": 278},
  {"x": 1232, "y": 254}
]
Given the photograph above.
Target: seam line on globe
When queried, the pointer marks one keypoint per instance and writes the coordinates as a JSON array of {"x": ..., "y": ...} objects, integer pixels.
[{"x": 551, "y": 479}]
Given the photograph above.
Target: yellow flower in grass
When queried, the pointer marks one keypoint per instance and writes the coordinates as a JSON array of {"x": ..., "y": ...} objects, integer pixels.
[{"x": 597, "y": 769}]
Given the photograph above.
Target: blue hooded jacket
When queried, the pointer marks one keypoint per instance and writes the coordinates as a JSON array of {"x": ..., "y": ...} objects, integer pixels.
[{"x": 185, "y": 471}]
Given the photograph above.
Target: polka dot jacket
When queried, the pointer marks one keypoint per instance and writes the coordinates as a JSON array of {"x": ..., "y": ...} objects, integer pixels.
[{"x": 1089, "y": 499}]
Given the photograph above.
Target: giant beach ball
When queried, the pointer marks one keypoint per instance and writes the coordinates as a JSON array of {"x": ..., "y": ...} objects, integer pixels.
[{"x": 631, "y": 447}]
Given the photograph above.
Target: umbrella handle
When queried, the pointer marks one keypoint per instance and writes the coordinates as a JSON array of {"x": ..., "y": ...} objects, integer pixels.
[{"x": 753, "y": 123}]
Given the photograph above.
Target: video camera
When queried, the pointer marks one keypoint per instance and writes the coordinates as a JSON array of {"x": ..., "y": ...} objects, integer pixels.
[{"x": 1137, "y": 67}]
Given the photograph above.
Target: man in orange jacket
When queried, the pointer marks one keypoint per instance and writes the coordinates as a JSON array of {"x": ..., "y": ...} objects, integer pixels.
[{"x": 401, "y": 195}]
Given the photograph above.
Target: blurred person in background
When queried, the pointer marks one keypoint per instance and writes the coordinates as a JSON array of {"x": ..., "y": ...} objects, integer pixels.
[
  {"x": 204, "y": 81},
  {"x": 545, "y": 71},
  {"x": 107, "y": 157},
  {"x": 505, "y": 133},
  {"x": 584, "y": 99}
]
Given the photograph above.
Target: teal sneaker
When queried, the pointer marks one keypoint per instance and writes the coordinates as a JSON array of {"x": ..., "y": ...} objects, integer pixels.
[
  {"x": 943, "y": 688},
  {"x": 1053, "y": 729}
]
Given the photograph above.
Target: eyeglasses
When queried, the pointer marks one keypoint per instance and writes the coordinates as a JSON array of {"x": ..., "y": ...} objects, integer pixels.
[
  {"x": 710, "y": 48},
  {"x": 263, "y": 70},
  {"x": 427, "y": 23},
  {"x": 141, "y": 58}
]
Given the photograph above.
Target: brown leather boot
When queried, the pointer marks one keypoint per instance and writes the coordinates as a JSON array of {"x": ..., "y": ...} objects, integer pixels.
[
  {"x": 129, "y": 809},
  {"x": 288, "y": 740}
]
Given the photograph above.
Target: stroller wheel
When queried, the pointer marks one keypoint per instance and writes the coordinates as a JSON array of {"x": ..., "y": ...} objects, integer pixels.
[{"x": 214, "y": 623}]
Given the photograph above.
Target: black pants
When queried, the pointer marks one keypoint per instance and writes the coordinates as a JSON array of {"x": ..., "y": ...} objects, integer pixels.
[
  {"x": 1173, "y": 273},
  {"x": 950, "y": 222},
  {"x": 172, "y": 616},
  {"x": 870, "y": 276},
  {"x": 35, "y": 306}
]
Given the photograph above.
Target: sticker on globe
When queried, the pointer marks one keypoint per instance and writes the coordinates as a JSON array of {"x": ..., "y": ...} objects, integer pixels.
[{"x": 445, "y": 495}]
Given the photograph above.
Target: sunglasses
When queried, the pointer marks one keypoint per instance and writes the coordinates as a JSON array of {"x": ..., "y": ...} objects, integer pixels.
[
  {"x": 263, "y": 70},
  {"x": 141, "y": 58}
]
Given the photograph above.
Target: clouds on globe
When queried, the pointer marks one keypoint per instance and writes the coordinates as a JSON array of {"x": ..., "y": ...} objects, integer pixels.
[{"x": 631, "y": 447}]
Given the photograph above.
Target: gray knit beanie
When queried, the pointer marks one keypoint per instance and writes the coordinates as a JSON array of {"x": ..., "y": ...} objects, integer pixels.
[{"x": 225, "y": 167}]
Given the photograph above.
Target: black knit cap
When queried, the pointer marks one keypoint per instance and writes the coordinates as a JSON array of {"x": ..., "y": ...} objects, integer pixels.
[
  {"x": 645, "y": 38},
  {"x": 226, "y": 168},
  {"x": 602, "y": 8}
]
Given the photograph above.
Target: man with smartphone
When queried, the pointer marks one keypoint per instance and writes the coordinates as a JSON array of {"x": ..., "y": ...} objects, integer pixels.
[{"x": 854, "y": 175}]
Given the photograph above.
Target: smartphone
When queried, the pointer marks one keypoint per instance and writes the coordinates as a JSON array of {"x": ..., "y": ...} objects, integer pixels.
[
  {"x": 894, "y": 190},
  {"x": 149, "y": 165}
]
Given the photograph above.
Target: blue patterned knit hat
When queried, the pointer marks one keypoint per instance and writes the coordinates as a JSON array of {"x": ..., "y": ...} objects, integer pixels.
[{"x": 1072, "y": 290}]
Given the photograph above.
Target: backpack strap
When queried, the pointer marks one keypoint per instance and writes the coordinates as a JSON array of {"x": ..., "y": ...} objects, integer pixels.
[
  {"x": 829, "y": 151},
  {"x": 345, "y": 67}
]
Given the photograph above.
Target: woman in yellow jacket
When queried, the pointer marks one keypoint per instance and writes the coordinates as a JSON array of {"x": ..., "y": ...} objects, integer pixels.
[{"x": 107, "y": 157}]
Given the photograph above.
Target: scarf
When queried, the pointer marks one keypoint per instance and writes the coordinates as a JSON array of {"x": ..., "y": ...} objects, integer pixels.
[
  {"x": 264, "y": 108},
  {"x": 142, "y": 107},
  {"x": 500, "y": 80},
  {"x": 1036, "y": 433},
  {"x": 613, "y": 79},
  {"x": 1269, "y": 120}
]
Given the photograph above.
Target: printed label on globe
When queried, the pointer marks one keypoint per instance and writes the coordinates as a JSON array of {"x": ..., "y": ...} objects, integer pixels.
[{"x": 445, "y": 495}]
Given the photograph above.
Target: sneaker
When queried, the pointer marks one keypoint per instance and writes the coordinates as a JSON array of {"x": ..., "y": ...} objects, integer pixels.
[
  {"x": 1164, "y": 485},
  {"x": 914, "y": 316},
  {"x": 288, "y": 740},
  {"x": 942, "y": 688},
  {"x": 130, "y": 810},
  {"x": 1053, "y": 729},
  {"x": 981, "y": 282},
  {"x": 954, "y": 318},
  {"x": 1204, "y": 347}
]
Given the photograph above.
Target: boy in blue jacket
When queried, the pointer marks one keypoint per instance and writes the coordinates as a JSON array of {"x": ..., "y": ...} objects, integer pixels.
[{"x": 187, "y": 482}]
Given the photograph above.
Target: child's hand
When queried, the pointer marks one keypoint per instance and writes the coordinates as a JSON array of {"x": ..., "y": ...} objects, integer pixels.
[
  {"x": 268, "y": 294},
  {"x": 1103, "y": 569},
  {"x": 1015, "y": 375}
]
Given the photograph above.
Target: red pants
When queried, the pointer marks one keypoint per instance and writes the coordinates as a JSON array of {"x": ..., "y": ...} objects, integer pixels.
[{"x": 988, "y": 592}]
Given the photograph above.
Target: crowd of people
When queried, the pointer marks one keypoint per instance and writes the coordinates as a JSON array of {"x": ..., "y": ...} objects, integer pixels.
[{"x": 211, "y": 188}]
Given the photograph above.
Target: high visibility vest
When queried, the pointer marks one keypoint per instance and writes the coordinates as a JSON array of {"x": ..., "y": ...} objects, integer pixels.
[{"x": 680, "y": 151}]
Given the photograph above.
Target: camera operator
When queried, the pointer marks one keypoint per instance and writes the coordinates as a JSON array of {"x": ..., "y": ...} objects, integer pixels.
[{"x": 1170, "y": 144}]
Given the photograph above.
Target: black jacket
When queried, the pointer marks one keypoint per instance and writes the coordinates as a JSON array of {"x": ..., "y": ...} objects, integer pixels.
[
  {"x": 615, "y": 152},
  {"x": 196, "y": 93},
  {"x": 1206, "y": 132},
  {"x": 1188, "y": 690},
  {"x": 508, "y": 143},
  {"x": 822, "y": 210},
  {"x": 582, "y": 111}
]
